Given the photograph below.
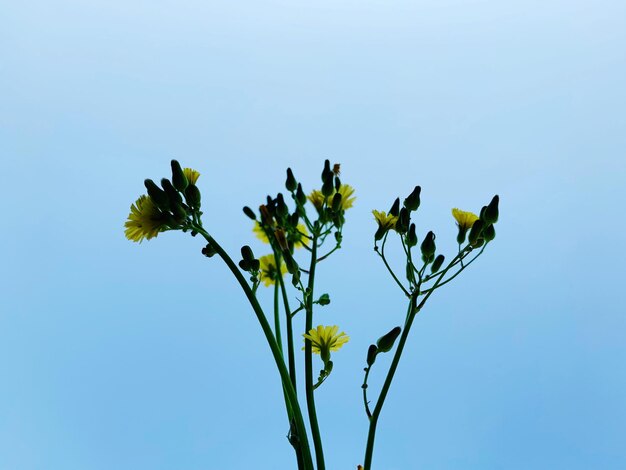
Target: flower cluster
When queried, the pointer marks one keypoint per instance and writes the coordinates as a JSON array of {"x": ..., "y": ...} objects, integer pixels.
[{"x": 163, "y": 207}]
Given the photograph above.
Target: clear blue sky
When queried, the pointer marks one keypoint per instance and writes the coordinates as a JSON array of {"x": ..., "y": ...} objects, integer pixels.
[{"x": 122, "y": 356}]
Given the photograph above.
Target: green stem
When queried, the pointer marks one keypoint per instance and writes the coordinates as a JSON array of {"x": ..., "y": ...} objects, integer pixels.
[
  {"x": 278, "y": 358},
  {"x": 308, "y": 361},
  {"x": 279, "y": 338},
  {"x": 290, "y": 347},
  {"x": 411, "y": 314}
]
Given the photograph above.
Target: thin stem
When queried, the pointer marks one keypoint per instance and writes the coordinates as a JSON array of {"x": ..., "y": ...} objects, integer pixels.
[
  {"x": 308, "y": 361},
  {"x": 411, "y": 314},
  {"x": 382, "y": 255},
  {"x": 290, "y": 347},
  {"x": 364, "y": 387},
  {"x": 279, "y": 338},
  {"x": 302, "y": 439}
]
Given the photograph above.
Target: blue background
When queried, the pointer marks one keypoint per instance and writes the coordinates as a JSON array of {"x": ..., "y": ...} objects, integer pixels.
[{"x": 121, "y": 356}]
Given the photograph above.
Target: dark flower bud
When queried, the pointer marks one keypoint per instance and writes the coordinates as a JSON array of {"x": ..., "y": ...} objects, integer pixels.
[
  {"x": 491, "y": 213},
  {"x": 246, "y": 253},
  {"x": 294, "y": 219},
  {"x": 281, "y": 238},
  {"x": 291, "y": 184},
  {"x": 300, "y": 196},
  {"x": 255, "y": 264},
  {"x": 171, "y": 192},
  {"x": 476, "y": 231},
  {"x": 380, "y": 233},
  {"x": 336, "y": 205},
  {"x": 385, "y": 343},
  {"x": 337, "y": 183},
  {"x": 480, "y": 242},
  {"x": 460, "y": 238},
  {"x": 179, "y": 211},
  {"x": 338, "y": 236},
  {"x": 328, "y": 188},
  {"x": 437, "y": 263},
  {"x": 372, "y": 351},
  {"x": 157, "y": 195},
  {"x": 281, "y": 208},
  {"x": 489, "y": 233},
  {"x": 327, "y": 173},
  {"x": 266, "y": 217},
  {"x": 482, "y": 213},
  {"x": 324, "y": 299},
  {"x": 179, "y": 180},
  {"x": 192, "y": 196},
  {"x": 208, "y": 250},
  {"x": 411, "y": 238},
  {"x": 402, "y": 225},
  {"x": 395, "y": 208},
  {"x": 413, "y": 201},
  {"x": 249, "y": 212},
  {"x": 428, "y": 246}
]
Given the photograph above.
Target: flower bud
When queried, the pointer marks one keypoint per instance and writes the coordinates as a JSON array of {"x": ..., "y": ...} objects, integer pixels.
[
  {"x": 246, "y": 253},
  {"x": 249, "y": 212},
  {"x": 372, "y": 351},
  {"x": 178, "y": 211},
  {"x": 279, "y": 233},
  {"x": 402, "y": 225},
  {"x": 491, "y": 213},
  {"x": 157, "y": 195},
  {"x": 291, "y": 183},
  {"x": 208, "y": 250},
  {"x": 385, "y": 343},
  {"x": 327, "y": 173},
  {"x": 171, "y": 192},
  {"x": 395, "y": 208},
  {"x": 336, "y": 204},
  {"x": 489, "y": 233},
  {"x": 192, "y": 196},
  {"x": 428, "y": 246},
  {"x": 476, "y": 231},
  {"x": 337, "y": 183},
  {"x": 328, "y": 188},
  {"x": 411, "y": 238},
  {"x": 460, "y": 238},
  {"x": 437, "y": 263},
  {"x": 179, "y": 180},
  {"x": 300, "y": 196},
  {"x": 413, "y": 201},
  {"x": 281, "y": 208},
  {"x": 324, "y": 299}
]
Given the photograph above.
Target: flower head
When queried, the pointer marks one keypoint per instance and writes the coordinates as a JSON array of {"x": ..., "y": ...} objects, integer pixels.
[
  {"x": 347, "y": 199},
  {"x": 464, "y": 219},
  {"x": 325, "y": 339},
  {"x": 144, "y": 221},
  {"x": 192, "y": 175},
  {"x": 267, "y": 270},
  {"x": 385, "y": 221}
]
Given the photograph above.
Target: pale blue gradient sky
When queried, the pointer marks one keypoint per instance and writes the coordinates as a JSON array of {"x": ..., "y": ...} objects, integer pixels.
[{"x": 122, "y": 356}]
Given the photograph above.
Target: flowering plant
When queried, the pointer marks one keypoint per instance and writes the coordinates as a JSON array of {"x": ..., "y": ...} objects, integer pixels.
[{"x": 176, "y": 205}]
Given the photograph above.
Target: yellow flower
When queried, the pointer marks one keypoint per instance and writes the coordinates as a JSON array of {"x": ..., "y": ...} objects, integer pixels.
[
  {"x": 464, "y": 219},
  {"x": 298, "y": 237},
  {"x": 260, "y": 233},
  {"x": 268, "y": 272},
  {"x": 385, "y": 221},
  {"x": 144, "y": 221},
  {"x": 347, "y": 199},
  {"x": 192, "y": 175},
  {"x": 325, "y": 339}
]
